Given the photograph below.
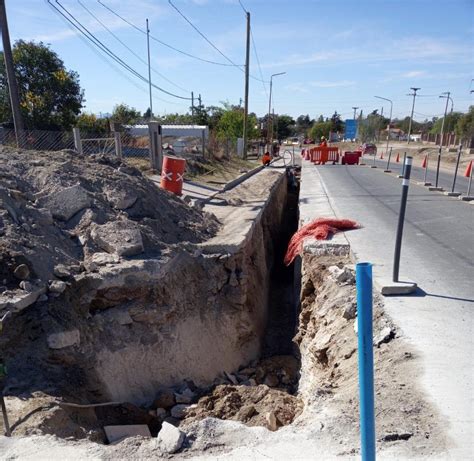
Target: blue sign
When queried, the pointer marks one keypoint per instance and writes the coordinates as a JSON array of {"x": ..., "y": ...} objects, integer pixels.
[{"x": 351, "y": 129}]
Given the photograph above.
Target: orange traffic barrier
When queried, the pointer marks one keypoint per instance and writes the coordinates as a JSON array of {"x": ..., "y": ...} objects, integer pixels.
[
  {"x": 398, "y": 158},
  {"x": 172, "y": 174},
  {"x": 423, "y": 165},
  {"x": 468, "y": 171}
]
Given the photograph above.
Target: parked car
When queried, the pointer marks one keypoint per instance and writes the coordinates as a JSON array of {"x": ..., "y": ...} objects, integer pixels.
[{"x": 368, "y": 149}]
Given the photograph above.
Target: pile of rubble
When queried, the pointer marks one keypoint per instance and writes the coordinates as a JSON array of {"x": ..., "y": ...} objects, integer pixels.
[{"x": 62, "y": 214}]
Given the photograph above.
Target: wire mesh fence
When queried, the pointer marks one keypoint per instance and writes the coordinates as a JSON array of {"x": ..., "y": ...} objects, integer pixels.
[{"x": 38, "y": 139}]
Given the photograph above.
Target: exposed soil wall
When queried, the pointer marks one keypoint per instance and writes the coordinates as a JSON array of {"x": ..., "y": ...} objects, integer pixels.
[{"x": 125, "y": 329}]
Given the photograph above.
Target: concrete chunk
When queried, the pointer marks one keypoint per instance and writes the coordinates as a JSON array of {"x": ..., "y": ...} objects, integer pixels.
[
  {"x": 170, "y": 438},
  {"x": 65, "y": 203},
  {"x": 63, "y": 339},
  {"x": 122, "y": 238},
  {"x": 116, "y": 434}
]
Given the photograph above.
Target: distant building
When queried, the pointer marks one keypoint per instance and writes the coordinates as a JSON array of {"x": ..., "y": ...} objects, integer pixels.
[{"x": 395, "y": 134}]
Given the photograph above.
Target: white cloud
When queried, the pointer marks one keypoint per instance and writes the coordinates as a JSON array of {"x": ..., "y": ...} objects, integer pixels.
[
  {"x": 413, "y": 74},
  {"x": 333, "y": 84}
]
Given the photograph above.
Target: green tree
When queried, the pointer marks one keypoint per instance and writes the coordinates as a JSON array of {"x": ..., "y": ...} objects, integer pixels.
[
  {"x": 285, "y": 126},
  {"x": 89, "y": 123},
  {"x": 125, "y": 114},
  {"x": 449, "y": 125},
  {"x": 231, "y": 124},
  {"x": 320, "y": 129},
  {"x": 303, "y": 124},
  {"x": 50, "y": 95},
  {"x": 465, "y": 125},
  {"x": 337, "y": 125}
]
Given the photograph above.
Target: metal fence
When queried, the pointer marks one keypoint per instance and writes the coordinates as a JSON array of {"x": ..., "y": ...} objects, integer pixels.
[{"x": 38, "y": 139}]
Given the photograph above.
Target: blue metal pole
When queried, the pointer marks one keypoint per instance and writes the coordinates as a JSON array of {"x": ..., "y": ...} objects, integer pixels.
[{"x": 366, "y": 360}]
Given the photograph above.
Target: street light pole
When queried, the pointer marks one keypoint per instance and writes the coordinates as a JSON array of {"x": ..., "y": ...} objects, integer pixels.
[
  {"x": 355, "y": 108},
  {"x": 270, "y": 105},
  {"x": 412, "y": 110},
  {"x": 390, "y": 120},
  {"x": 447, "y": 93},
  {"x": 246, "y": 101}
]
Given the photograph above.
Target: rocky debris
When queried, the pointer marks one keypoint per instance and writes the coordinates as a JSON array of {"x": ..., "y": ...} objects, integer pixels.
[
  {"x": 101, "y": 259},
  {"x": 231, "y": 378},
  {"x": 393, "y": 437},
  {"x": 22, "y": 272},
  {"x": 342, "y": 276},
  {"x": 57, "y": 286},
  {"x": 121, "y": 198},
  {"x": 63, "y": 339},
  {"x": 122, "y": 238},
  {"x": 250, "y": 405},
  {"x": 18, "y": 300},
  {"x": 385, "y": 335},
  {"x": 170, "y": 438},
  {"x": 65, "y": 203},
  {"x": 179, "y": 411},
  {"x": 350, "y": 311},
  {"x": 115, "y": 434},
  {"x": 164, "y": 399},
  {"x": 272, "y": 422},
  {"x": 61, "y": 271}
]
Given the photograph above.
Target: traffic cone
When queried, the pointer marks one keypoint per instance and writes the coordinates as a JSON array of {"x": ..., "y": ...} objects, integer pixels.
[
  {"x": 423, "y": 165},
  {"x": 398, "y": 158},
  {"x": 467, "y": 173}
]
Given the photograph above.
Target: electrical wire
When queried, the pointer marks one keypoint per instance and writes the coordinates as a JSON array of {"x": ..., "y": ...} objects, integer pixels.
[
  {"x": 130, "y": 49},
  {"x": 161, "y": 42},
  {"x": 258, "y": 62},
  {"x": 240, "y": 67},
  {"x": 81, "y": 28}
]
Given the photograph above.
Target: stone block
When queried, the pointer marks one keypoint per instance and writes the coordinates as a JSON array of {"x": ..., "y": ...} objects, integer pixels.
[{"x": 65, "y": 203}]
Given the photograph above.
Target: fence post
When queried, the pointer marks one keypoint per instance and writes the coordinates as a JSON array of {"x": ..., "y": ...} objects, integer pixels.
[
  {"x": 118, "y": 144},
  {"x": 77, "y": 139},
  {"x": 156, "y": 151},
  {"x": 366, "y": 360}
]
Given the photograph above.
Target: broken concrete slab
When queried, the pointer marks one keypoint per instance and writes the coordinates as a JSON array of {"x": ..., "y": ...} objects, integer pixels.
[
  {"x": 122, "y": 238},
  {"x": 20, "y": 299},
  {"x": 121, "y": 198},
  {"x": 101, "y": 259},
  {"x": 179, "y": 411},
  {"x": 116, "y": 434},
  {"x": 63, "y": 339},
  {"x": 170, "y": 439},
  {"x": 65, "y": 203}
]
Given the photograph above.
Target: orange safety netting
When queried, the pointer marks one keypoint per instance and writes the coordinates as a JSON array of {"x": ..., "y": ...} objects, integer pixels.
[{"x": 319, "y": 229}]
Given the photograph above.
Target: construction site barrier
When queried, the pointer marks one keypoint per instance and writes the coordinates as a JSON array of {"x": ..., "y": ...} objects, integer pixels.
[
  {"x": 172, "y": 174},
  {"x": 322, "y": 154}
]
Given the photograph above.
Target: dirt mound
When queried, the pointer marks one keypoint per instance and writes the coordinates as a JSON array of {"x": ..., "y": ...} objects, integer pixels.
[
  {"x": 254, "y": 406},
  {"x": 61, "y": 208}
]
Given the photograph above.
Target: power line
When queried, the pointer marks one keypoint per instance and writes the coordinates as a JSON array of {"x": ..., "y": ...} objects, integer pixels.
[
  {"x": 161, "y": 41},
  {"x": 130, "y": 49},
  {"x": 258, "y": 62},
  {"x": 209, "y": 41},
  {"x": 90, "y": 36}
]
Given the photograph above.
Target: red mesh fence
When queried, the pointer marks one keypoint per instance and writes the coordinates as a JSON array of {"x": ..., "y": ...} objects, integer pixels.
[{"x": 319, "y": 229}]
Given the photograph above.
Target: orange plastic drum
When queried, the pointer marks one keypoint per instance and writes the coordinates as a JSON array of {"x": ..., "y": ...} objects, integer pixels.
[{"x": 172, "y": 174}]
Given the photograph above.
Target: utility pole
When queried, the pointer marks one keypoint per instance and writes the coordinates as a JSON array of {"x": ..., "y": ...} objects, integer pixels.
[
  {"x": 246, "y": 96},
  {"x": 199, "y": 99},
  {"x": 192, "y": 105},
  {"x": 355, "y": 108},
  {"x": 412, "y": 110},
  {"x": 10, "y": 70},
  {"x": 149, "y": 68}
]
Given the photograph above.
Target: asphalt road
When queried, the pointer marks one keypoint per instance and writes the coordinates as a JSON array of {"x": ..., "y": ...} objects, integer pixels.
[
  {"x": 438, "y": 254},
  {"x": 445, "y": 179}
]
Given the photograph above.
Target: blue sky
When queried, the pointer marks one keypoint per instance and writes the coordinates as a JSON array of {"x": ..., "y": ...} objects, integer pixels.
[{"x": 336, "y": 54}]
